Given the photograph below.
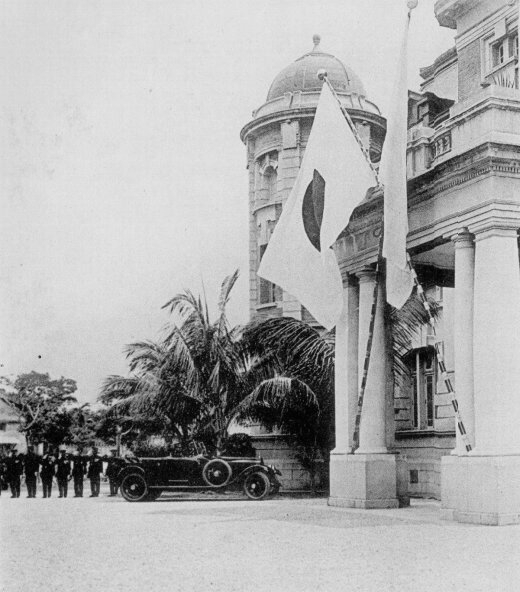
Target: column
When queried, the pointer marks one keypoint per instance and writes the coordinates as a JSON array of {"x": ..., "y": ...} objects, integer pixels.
[
  {"x": 373, "y": 425},
  {"x": 346, "y": 371},
  {"x": 463, "y": 334},
  {"x": 346, "y": 386},
  {"x": 497, "y": 342},
  {"x": 369, "y": 477},
  {"x": 482, "y": 486}
]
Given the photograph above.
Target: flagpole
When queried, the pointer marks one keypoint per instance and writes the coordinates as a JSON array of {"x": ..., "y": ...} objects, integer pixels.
[{"x": 322, "y": 75}]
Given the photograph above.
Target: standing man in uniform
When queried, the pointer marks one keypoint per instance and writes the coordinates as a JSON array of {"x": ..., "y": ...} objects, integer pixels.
[
  {"x": 31, "y": 466},
  {"x": 3, "y": 478},
  {"x": 47, "y": 473},
  {"x": 111, "y": 472},
  {"x": 95, "y": 468},
  {"x": 13, "y": 472},
  {"x": 63, "y": 471},
  {"x": 79, "y": 469}
]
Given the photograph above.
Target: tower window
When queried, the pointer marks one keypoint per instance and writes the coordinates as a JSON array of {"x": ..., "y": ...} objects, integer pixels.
[
  {"x": 270, "y": 182},
  {"x": 267, "y": 290}
]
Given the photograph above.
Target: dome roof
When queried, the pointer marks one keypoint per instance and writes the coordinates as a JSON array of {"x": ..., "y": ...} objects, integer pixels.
[{"x": 302, "y": 75}]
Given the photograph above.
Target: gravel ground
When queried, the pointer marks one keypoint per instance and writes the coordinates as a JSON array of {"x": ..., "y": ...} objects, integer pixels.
[{"x": 231, "y": 544}]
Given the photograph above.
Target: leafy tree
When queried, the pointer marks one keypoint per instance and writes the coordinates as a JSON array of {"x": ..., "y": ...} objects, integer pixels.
[
  {"x": 40, "y": 404},
  {"x": 83, "y": 427},
  {"x": 116, "y": 428}
]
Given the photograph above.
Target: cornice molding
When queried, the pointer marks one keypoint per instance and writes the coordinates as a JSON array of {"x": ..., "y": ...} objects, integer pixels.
[
  {"x": 304, "y": 113},
  {"x": 464, "y": 168}
]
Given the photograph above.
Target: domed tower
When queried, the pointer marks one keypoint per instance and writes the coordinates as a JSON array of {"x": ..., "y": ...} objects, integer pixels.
[{"x": 276, "y": 138}]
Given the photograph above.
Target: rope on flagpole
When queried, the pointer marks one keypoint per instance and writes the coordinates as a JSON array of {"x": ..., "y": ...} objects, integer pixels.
[
  {"x": 440, "y": 357},
  {"x": 322, "y": 75}
]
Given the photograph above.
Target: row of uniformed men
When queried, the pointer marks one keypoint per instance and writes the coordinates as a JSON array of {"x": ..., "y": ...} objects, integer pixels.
[{"x": 62, "y": 468}]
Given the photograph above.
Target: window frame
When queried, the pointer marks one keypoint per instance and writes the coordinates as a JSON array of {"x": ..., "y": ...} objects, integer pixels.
[
  {"x": 423, "y": 378},
  {"x": 509, "y": 44}
]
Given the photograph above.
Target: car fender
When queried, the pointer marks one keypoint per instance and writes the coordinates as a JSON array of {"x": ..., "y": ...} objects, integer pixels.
[
  {"x": 254, "y": 469},
  {"x": 128, "y": 470}
]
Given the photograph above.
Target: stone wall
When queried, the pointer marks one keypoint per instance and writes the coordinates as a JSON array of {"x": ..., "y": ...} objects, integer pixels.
[
  {"x": 423, "y": 457},
  {"x": 277, "y": 451}
]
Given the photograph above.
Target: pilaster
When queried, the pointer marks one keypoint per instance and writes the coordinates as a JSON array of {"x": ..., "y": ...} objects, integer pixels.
[
  {"x": 463, "y": 333},
  {"x": 346, "y": 387},
  {"x": 482, "y": 486}
]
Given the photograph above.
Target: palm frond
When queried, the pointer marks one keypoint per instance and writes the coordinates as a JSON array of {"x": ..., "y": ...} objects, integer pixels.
[
  {"x": 283, "y": 397},
  {"x": 225, "y": 291},
  {"x": 117, "y": 387},
  {"x": 405, "y": 325},
  {"x": 144, "y": 355},
  {"x": 299, "y": 347},
  {"x": 186, "y": 305}
]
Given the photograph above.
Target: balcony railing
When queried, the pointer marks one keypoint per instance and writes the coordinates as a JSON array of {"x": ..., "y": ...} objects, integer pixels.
[{"x": 441, "y": 145}]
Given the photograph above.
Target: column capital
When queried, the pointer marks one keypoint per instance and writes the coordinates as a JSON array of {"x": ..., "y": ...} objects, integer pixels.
[
  {"x": 464, "y": 239},
  {"x": 350, "y": 280},
  {"x": 495, "y": 231},
  {"x": 495, "y": 226},
  {"x": 365, "y": 275}
]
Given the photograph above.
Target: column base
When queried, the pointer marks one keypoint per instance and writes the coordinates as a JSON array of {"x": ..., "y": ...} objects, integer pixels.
[
  {"x": 367, "y": 481},
  {"x": 481, "y": 489}
]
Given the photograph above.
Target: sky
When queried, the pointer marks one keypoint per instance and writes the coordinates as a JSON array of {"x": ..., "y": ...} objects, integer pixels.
[{"x": 123, "y": 178}]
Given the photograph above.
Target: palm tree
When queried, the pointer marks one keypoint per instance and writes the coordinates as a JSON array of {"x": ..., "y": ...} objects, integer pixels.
[
  {"x": 299, "y": 395},
  {"x": 152, "y": 392},
  {"x": 216, "y": 368},
  {"x": 196, "y": 376}
]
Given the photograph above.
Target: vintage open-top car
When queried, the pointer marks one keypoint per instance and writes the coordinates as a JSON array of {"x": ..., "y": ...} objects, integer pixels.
[{"x": 144, "y": 479}]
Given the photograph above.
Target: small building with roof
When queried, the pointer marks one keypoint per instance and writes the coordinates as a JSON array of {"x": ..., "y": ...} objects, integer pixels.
[{"x": 10, "y": 436}]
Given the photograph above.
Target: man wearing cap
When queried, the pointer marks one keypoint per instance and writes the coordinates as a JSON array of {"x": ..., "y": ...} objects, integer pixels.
[
  {"x": 31, "y": 467},
  {"x": 47, "y": 473},
  {"x": 79, "y": 470},
  {"x": 2, "y": 474},
  {"x": 63, "y": 471},
  {"x": 95, "y": 468},
  {"x": 112, "y": 472},
  {"x": 13, "y": 472}
]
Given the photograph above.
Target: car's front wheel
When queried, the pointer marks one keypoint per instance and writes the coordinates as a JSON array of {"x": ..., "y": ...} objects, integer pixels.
[
  {"x": 134, "y": 488},
  {"x": 257, "y": 485}
]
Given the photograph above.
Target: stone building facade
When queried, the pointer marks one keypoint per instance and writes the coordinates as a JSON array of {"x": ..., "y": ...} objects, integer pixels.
[{"x": 464, "y": 216}]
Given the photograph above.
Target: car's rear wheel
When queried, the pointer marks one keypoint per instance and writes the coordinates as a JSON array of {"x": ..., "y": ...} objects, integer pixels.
[
  {"x": 257, "y": 485},
  {"x": 134, "y": 488},
  {"x": 217, "y": 472}
]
